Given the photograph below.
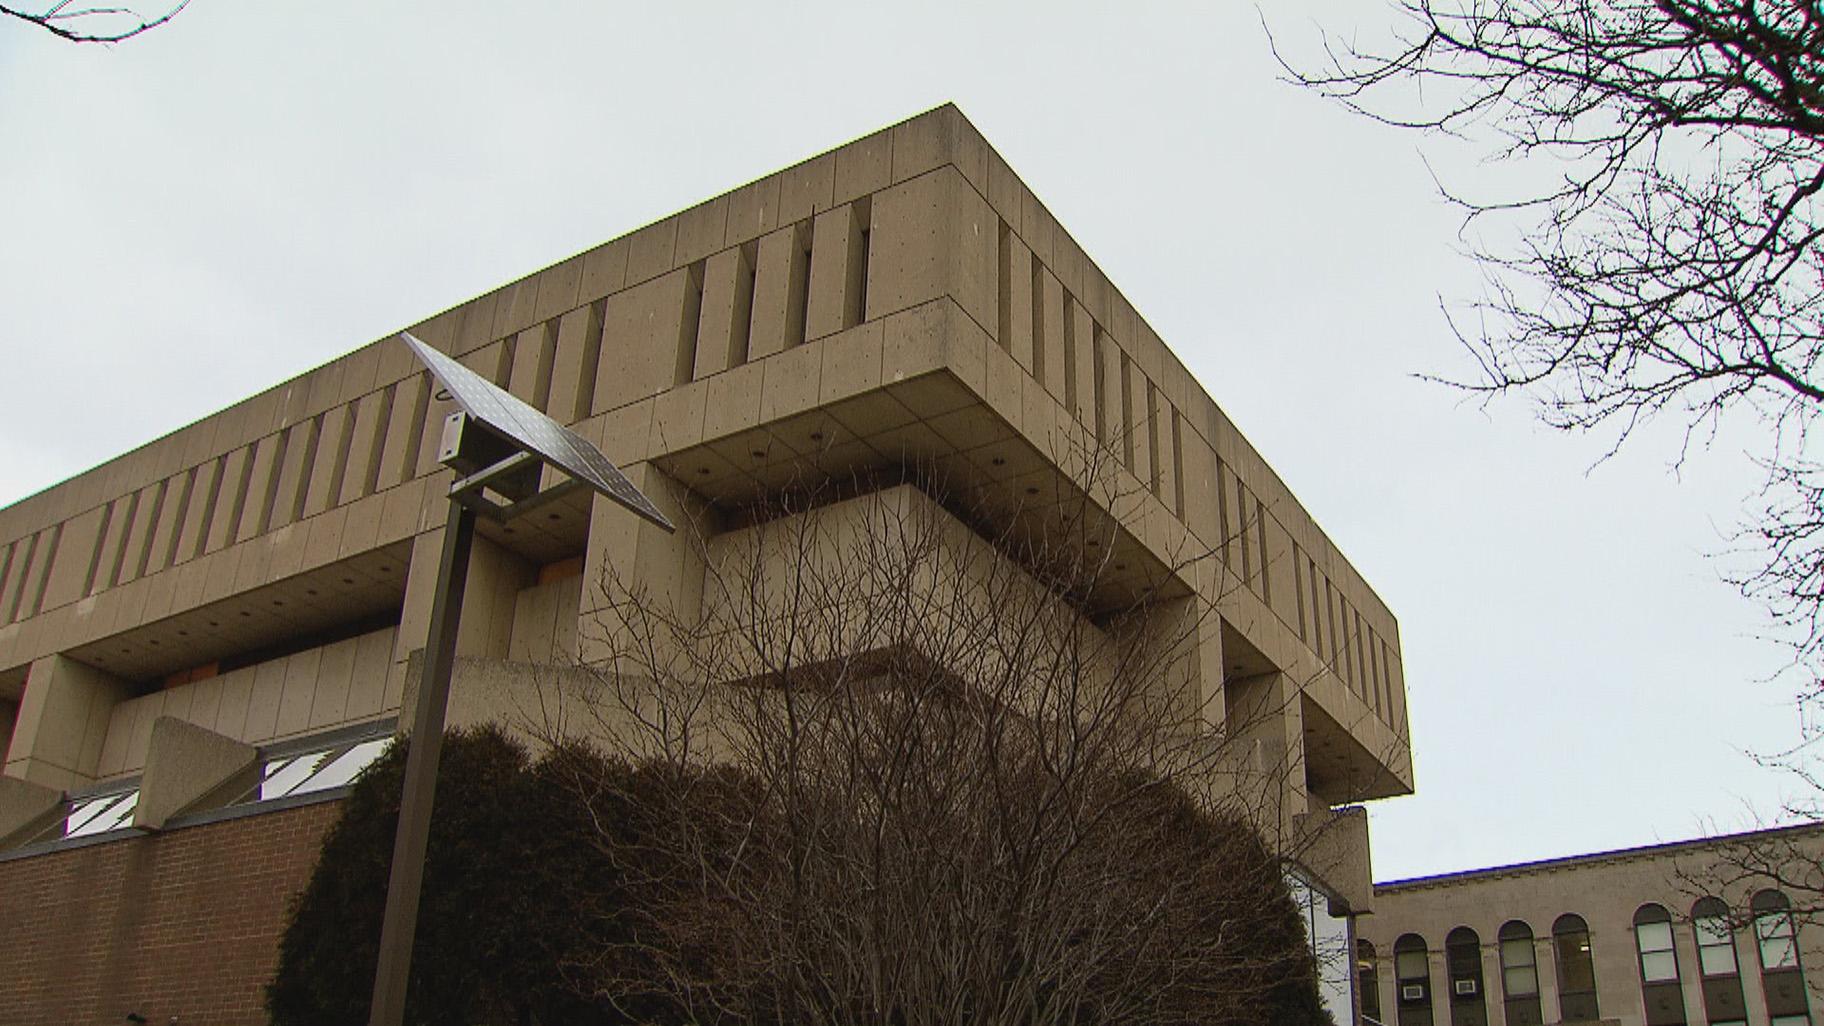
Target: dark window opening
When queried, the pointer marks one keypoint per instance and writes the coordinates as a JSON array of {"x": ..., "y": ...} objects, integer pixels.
[{"x": 1576, "y": 969}]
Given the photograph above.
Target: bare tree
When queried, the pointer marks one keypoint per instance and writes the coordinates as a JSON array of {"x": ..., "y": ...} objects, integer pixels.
[
  {"x": 923, "y": 762},
  {"x": 1669, "y": 262},
  {"x": 90, "y": 24}
]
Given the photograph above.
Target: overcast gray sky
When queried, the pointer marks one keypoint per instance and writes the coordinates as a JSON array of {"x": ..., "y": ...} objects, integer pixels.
[{"x": 195, "y": 215}]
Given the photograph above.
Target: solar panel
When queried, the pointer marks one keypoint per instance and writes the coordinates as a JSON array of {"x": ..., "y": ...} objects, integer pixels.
[{"x": 539, "y": 434}]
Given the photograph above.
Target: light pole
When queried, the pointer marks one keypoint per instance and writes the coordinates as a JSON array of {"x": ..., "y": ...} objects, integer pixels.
[{"x": 497, "y": 446}]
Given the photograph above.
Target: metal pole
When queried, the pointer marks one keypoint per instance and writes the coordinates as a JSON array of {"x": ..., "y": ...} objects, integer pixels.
[{"x": 401, "y": 922}]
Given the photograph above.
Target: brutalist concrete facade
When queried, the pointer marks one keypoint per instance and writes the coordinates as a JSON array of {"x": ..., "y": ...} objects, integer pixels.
[{"x": 265, "y": 574}]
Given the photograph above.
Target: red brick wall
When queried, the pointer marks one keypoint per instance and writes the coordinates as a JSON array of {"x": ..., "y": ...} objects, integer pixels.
[{"x": 184, "y": 923}]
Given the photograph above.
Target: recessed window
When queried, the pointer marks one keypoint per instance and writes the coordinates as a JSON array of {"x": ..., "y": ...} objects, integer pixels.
[
  {"x": 1368, "y": 979},
  {"x": 1776, "y": 941},
  {"x": 101, "y": 813},
  {"x": 1520, "y": 975},
  {"x": 1653, "y": 938},
  {"x": 1328, "y": 936},
  {"x": 1773, "y": 931},
  {"x": 317, "y": 770},
  {"x": 1576, "y": 967},
  {"x": 1412, "y": 979},
  {"x": 1715, "y": 938},
  {"x": 1463, "y": 964},
  {"x": 1519, "y": 963},
  {"x": 91, "y": 815},
  {"x": 1658, "y": 961}
]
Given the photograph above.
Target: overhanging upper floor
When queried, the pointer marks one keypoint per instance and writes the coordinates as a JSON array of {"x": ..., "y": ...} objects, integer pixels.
[{"x": 901, "y": 299}]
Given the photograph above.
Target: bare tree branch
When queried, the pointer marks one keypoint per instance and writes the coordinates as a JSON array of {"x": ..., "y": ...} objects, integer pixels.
[
  {"x": 979, "y": 781},
  {"x": 1669, "y": 264},
  {"x": 75, "y": 23}
]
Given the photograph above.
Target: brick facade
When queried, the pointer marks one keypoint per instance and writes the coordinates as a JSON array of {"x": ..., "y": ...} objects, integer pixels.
[{"x": 179, "y": 927}]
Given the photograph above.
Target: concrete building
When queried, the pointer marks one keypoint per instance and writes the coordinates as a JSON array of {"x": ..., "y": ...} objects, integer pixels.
[
  {"x": 1720, "y": 931},
  {"x": 203, "y": 639}
]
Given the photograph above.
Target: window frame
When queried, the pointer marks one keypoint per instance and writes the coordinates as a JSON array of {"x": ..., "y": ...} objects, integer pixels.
[
  {"x": 239, "y": 805},
  {"x": 1710, "y": 917},
  {"x": 1566, "y": 960},
  {"x": 1784, "y": 929},
  {"x": 1504, "y": 939},
  {"x": 1368, "y": 978},
  {"x": 1402, "y": 952},
  {"x": 1653, "y": 914}
]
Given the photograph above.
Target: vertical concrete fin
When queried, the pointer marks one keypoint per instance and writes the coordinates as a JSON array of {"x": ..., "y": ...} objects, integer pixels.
[
  {"x": 25, "y": 808},
  {"x": 1333, "y": 845},
  {"x": 186, "y": 765},
  {"x": 62, "y": 723}
]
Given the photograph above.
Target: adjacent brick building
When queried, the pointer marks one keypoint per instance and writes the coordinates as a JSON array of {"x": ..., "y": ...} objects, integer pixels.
[{"x": 1719, "y": 931}]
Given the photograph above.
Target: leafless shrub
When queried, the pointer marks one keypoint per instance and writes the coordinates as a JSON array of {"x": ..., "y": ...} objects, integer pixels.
[{"x": 917, "y": 769}]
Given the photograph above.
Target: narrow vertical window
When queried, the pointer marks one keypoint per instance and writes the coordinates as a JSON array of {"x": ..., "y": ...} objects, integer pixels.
[
  {"x": 1039, "y": 370},
  {"x": 1298, "y": 591},
  {"x": 1177, "y": 464},
  {"x": 126, "y": 537},
  {"x": 741, "y": 329},
  {"x": 798, "y": 285},
  {"x": 1777, "y": 942},
  {"x": 1004, "y": 323},
  {"x": 1368, "y": 980},
  {"x": 855, "y": 295},
  {"x": 1520, "y": 975},
  {"x": 43, "y": 571},
  {"x": 690, "y": 321},
  {"x": 1260, "y": 542},
  {"x": 1227, "y": 543},
  {"x": 1099, "y": 371},
  {"x": 1576, "y": 968},
  {"x": 1412, "y": 977},
  {"x": 1717, "y": 967},
  {"x": 1715, "y": 938},
  {"x": 1246, "y": 530},
  {"x": 95, "y": 555},
  {"x": 1774, "y": 935},
  {"x": 1156, "y": 477},
  {"x": 1653, "y": 938},
  {"x": 1664, "y": 999},
  {"x": 1127, "y": 410},
  {"x": 1317, "y": 605},
  {"x": 1463, "y": 962}
]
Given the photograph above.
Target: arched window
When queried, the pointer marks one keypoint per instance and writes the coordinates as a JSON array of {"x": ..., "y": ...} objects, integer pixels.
[
  {"x": 1715, "y": 938},
  {"x": 1520, "y": 975},
  {"x": 1776, "y": 938},
  {"x": 1412, "y": 976},
  {"x": 1774, "y": 934},
  {"x": 1576, "y": 969},
  {"x": 1665, "y": 1001},
  {"x": 1716, "y": 963},
  {"x": 1653, "y": 939},
  {"x": 1368, "y": 980},
  {"x": 1463, "y": 964}
]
